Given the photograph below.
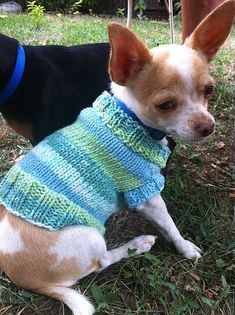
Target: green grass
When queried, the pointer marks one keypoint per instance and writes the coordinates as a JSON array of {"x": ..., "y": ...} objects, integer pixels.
[
  {"x": 198, "y": 193},
  {"x": 65, "y": 30}
]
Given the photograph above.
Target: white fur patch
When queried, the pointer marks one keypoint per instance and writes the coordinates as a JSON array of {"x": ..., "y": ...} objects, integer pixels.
[
  {"x": 125, "y": 95},
  {"x": 83, "y": 243},
  {"x": 181, "y": 58},
  {"x": 10, "y": 239}
]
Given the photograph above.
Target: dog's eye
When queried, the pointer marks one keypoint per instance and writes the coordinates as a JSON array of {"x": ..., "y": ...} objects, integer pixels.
[
  {"x": 208, "y": 91},
  {"x": 166, "y": 106}
]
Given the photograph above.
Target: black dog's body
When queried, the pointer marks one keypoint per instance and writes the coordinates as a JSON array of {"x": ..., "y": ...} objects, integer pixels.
[{"x": 58, "y": 82}]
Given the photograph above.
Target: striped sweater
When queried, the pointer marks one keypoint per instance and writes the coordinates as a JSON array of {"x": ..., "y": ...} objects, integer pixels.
[{"x": 83, "y": 173}]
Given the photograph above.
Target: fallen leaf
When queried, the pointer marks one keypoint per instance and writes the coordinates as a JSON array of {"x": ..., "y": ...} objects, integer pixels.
[
  {"x": 232, "y": 195},
  {"x": 220, "y": 144}
]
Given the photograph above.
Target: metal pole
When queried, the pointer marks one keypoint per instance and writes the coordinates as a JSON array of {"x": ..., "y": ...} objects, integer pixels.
[
  {"x": 129, "y": 13},
  {"x": 171, "y": 19}
]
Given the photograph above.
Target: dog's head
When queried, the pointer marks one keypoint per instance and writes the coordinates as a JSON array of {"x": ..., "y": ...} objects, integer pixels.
[{"x": 168, "y": 87}]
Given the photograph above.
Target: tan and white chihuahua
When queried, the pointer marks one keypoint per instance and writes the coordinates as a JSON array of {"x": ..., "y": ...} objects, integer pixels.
[{"x": 168, "y": 88}]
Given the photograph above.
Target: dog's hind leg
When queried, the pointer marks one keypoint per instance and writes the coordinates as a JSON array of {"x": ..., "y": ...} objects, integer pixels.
[
  {"x": 95, "y": 257},
  {"x": 137, "y": 246},
  {"x": 49, "y": 262},
  {"x": 77, "y": 302}
]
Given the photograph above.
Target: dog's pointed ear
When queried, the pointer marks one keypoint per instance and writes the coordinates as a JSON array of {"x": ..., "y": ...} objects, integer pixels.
[
  {"x": 211, "y": 33},
  {"x": 128, "y": 54}
]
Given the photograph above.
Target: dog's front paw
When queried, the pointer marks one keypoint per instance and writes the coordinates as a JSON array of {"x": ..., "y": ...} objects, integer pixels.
[{"x": 188, "y": 249}]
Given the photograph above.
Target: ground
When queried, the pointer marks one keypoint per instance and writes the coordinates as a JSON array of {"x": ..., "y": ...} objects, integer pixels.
[{"x": 199, "y": 193}]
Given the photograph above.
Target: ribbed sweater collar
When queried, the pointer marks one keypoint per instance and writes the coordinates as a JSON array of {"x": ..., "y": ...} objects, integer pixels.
[{"x": 129, "y": 131}]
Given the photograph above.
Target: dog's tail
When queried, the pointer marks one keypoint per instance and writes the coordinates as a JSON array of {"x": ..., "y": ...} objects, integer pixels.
[{"x": 77, "y": 302}]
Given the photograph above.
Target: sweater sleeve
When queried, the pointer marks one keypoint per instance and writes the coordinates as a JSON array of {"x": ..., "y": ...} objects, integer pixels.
[{"x": 148, "y": 189}]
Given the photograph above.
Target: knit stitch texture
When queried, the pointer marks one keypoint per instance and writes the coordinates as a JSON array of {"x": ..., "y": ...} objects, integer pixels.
[{"x": 83, "y": 173}]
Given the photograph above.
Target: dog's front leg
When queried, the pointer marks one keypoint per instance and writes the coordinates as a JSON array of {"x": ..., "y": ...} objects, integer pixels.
[{"x": 156, "y": 211}]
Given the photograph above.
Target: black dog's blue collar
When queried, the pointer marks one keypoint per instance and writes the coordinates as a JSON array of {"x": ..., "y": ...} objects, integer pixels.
[
  {"x": 15, "y": 79},
  {"x": 154, "y": 133}
]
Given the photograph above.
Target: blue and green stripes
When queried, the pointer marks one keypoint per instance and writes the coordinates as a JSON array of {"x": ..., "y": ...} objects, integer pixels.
[
  {"x": 24, "y": 196},
  {"x": 83, "y": 173}
]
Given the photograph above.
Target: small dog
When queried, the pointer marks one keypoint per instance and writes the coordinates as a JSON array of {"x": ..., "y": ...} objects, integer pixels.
[{"x": 56, "y": 200}]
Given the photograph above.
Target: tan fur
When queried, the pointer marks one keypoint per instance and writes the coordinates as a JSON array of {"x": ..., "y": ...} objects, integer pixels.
[
  {"x": 211, "y": 33},
  {"x": 150, "y": 95},
  {"x": 3, "y": 212},
  {"x": 124, "y": 65},
  {"x": 201, "y": 77},
  {"x": 42, "y": 266}
]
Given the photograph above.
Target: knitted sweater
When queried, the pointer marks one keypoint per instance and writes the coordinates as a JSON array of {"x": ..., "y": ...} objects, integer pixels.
[{"x": 83, "y": 173}]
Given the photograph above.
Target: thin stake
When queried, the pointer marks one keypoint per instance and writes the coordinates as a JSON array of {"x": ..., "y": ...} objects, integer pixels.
[
  {"x": 169, "y": 6},
  {"x": 129, "y": 13}
]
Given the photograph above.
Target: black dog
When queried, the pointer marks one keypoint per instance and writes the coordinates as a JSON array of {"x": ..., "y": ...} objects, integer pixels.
[{"x": 57, "y": 83}]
